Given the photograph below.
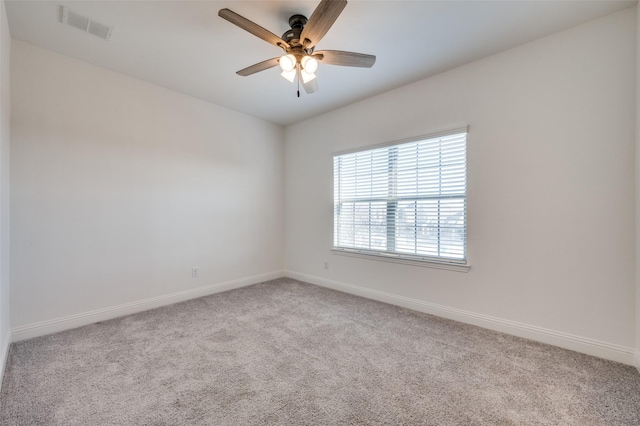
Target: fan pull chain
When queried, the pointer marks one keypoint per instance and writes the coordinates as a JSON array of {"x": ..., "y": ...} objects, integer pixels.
[{"x": 298, "y": 82}]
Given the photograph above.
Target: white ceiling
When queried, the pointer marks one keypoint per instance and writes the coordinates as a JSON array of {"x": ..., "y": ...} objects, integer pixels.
[{"x": 185, "y": 46}]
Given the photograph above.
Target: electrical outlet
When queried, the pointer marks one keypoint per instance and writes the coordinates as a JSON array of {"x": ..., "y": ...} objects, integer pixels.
[
  {"x": 195, "y": 272},
  {"x": 326, "y": 264}
]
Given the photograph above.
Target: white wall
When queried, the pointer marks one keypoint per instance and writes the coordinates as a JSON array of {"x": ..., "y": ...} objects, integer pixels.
[
  {"x": 120, "y": 187},
  {"x": 5, "y": 116},
  {"x": 637, "y": 357},
  {"x": 550, "y": 190}
]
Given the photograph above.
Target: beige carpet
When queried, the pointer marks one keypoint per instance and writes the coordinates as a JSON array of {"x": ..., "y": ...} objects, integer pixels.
[{"x": 286, "y": 352}]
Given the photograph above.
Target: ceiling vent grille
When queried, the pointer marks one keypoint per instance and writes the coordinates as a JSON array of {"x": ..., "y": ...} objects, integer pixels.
[{"x": 85, "y": 24}]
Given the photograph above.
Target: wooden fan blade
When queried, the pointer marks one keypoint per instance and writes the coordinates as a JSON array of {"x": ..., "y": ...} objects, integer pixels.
[
  {"x": 347, "y": 59},
  {"x": 260, "y": 66},
  {"x": 320, "y": 21},
  {"x": 252, "y": 27}
]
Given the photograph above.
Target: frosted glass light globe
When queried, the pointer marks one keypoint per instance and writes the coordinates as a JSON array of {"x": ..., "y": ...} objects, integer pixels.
[
  {"x": 310, "y": 64},
  {"x": 287, "y": 63}
]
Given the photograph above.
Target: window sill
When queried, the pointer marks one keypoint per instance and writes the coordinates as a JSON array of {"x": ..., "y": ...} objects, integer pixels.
[{"x": 450, "y": 266}]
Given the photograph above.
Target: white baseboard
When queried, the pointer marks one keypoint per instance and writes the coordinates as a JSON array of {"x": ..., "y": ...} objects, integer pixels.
[
  {"x": 4, "y": 355},
  {"x": 78, "y": 320},
  {"x": 637, "y": 360},
  {"x": 585, "y": 345}
]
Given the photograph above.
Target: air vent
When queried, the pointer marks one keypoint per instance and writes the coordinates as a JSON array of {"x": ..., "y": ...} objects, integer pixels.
[{"x": 85, "y": 24}]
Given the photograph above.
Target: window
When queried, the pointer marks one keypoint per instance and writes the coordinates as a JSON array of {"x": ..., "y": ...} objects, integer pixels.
[{"x": 404, "y": 200}]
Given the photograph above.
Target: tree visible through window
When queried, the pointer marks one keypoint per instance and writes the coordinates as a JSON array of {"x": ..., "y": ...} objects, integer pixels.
[{"x": 403, "y": 200}]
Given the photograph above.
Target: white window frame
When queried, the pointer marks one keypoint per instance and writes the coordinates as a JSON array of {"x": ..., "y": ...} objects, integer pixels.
[{"x": 397, "y": 257}]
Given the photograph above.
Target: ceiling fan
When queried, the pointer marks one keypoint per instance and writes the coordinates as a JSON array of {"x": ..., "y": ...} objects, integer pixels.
[{"x": 299, "y": 59}]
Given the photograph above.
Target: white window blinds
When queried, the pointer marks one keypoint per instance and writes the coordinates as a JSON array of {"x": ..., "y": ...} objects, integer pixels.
[{"x": 404, "y": 200}]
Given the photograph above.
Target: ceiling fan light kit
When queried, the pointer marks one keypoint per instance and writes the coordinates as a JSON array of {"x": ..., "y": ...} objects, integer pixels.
[{"x": 298, "y": 43}]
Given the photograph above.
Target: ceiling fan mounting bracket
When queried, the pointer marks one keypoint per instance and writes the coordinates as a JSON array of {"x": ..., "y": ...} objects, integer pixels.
[{"x": 297, "y": 21}]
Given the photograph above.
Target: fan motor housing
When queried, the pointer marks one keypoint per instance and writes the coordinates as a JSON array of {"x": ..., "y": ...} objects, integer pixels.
[{"x": 297, "y": 23}]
